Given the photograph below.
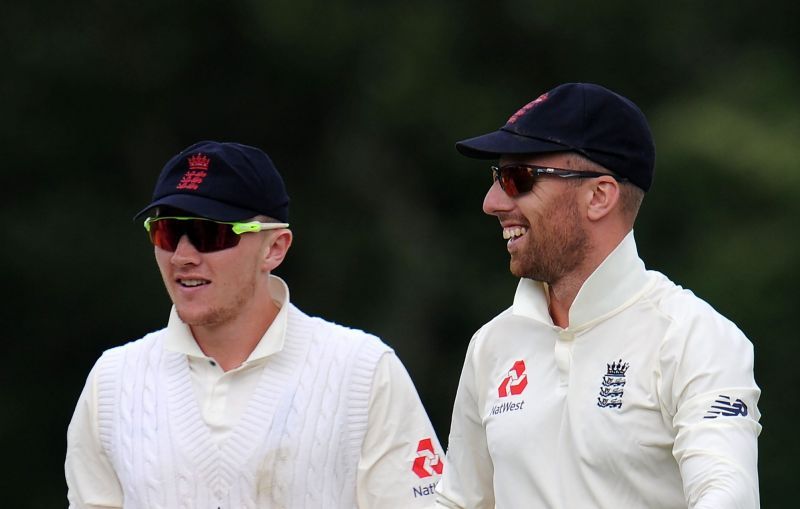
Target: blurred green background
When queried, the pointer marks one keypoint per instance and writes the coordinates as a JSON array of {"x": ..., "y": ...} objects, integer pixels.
[{"x": 359, "y": 104}]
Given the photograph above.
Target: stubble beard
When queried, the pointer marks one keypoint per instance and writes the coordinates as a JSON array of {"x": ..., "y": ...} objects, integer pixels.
[
  {"x": 552, "y": 250},
  {"x": 215, "y": 316}
]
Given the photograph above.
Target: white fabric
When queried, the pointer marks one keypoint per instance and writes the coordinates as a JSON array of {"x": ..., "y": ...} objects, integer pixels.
[
  {"x": 614, "y": 411},
  {"x": 343, "y": 431}
]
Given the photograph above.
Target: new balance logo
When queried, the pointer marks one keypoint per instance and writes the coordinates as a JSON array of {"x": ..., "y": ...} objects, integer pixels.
[
  {"x": 723, "y": 407},
  {"x": 515, "y": 382}
]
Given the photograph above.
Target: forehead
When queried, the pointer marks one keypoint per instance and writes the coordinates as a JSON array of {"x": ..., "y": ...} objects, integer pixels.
[{"x": 554, "y": 159}]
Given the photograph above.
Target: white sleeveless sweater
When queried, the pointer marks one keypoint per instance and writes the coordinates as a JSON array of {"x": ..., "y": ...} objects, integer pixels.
[{"x": 297, "y": 444}]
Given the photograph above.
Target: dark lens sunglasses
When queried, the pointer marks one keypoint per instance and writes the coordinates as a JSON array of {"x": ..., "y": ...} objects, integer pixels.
[
  {"x": 517, "y": 179},
  {"x": 205, "y": 235}
]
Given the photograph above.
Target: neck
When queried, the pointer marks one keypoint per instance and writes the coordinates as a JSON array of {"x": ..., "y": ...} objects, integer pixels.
[
  {"x": 231, "y": 343},
  {"x": 562, "y": 293}
]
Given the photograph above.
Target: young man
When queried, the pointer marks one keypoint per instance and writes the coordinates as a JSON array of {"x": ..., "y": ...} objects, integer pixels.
[
  {"x": 243, "y": 400},
  {"x": 604, "y": 385}
]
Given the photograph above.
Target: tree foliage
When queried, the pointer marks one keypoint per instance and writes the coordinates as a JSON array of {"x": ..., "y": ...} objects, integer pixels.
[{"x": 360, "y": 103}]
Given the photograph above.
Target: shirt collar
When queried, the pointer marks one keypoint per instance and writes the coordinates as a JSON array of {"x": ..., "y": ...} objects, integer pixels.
[
  {"x": 617, "y": 281},
  {"x": 180, "y": 339}
]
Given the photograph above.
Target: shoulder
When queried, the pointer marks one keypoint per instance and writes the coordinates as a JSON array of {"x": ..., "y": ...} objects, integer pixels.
[
  {"x": 113, "y": 357},
  {"x": 503, "y": 326},
  {"x": 498, "y": 322},
  {"x": 335, "y": 334},
  {"x": 682, "y": 305},
  {"x": 692, "y": 319},
  {"x": 703, "y": 356}
]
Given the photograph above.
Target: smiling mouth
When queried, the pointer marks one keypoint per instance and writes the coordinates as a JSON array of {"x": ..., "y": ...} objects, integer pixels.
[
  {"x": 514, "y": 232},
  {"x": 192, "y": 283}
]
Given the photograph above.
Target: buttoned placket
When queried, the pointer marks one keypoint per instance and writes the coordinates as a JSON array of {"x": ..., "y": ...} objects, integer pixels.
[
  {"x": 224, "y": 395},
  {"x": 217, "y": 384},
  {"x": 563, "y": 354}
]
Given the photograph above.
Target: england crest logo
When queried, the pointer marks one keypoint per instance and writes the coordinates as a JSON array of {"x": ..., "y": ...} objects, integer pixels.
[{"x": 612, "y": 387}]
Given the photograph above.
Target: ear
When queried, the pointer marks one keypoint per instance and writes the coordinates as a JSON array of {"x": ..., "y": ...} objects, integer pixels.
[
  {"x": 275, "y": 248},
  {"x": 605, "y": 195}
]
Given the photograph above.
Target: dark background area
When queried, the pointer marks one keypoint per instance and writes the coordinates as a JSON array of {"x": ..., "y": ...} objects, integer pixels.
[{"x": 359, "y": 104}]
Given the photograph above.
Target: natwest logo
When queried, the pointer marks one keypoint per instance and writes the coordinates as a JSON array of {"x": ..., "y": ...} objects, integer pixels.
[
  {"x": 515, "y": 382},
  {"x": 427, "y": 462}
]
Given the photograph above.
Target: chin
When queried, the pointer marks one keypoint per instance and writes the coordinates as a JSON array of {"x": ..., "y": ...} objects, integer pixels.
[
  {"x": 193, "y": 316},
  {"x": 518, "y": 267}
]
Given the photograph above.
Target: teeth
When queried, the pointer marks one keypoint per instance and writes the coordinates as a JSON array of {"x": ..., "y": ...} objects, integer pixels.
[
  {"x": 192, "y": 282},
  {"x": 515, "y": 231}
]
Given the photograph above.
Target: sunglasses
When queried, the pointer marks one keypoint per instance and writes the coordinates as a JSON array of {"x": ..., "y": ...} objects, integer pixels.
[
  {"x": 205, "y": 235},
  {"x": 517, "y": 179}
]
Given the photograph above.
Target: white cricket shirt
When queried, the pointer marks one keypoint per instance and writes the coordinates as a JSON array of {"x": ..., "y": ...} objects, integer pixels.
[
  {"x": 646, "y": 400},
  {"x": 400, "y": 453}
]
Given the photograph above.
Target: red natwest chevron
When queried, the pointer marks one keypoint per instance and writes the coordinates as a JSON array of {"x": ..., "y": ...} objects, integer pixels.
[
  {"x": 515, "y": 382},
  {"x": 427, "y": 462}
]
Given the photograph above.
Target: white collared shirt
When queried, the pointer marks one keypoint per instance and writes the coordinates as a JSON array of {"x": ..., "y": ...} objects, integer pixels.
[
  {"x": 224, "y": 395},
  {"x": 396, "y": 418},
  {"x": 646, "y": 399}
]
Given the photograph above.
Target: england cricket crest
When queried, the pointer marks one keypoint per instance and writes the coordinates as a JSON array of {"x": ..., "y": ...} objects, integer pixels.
[{"x": 612, "y": 387}]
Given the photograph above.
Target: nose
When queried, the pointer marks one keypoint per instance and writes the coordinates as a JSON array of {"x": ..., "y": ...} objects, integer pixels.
[
  {"x": 185, "y": 252},
  {"x": 496, "y": 200}
]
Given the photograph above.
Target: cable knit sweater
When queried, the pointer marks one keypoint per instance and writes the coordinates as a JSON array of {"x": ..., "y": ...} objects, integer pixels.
[{"x": 297, "y": 444}]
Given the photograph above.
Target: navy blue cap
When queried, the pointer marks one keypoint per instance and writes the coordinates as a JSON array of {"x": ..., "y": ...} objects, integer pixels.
[
  {"x": 585, "y": 118},
  {"x": 221, "y": 181}
]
